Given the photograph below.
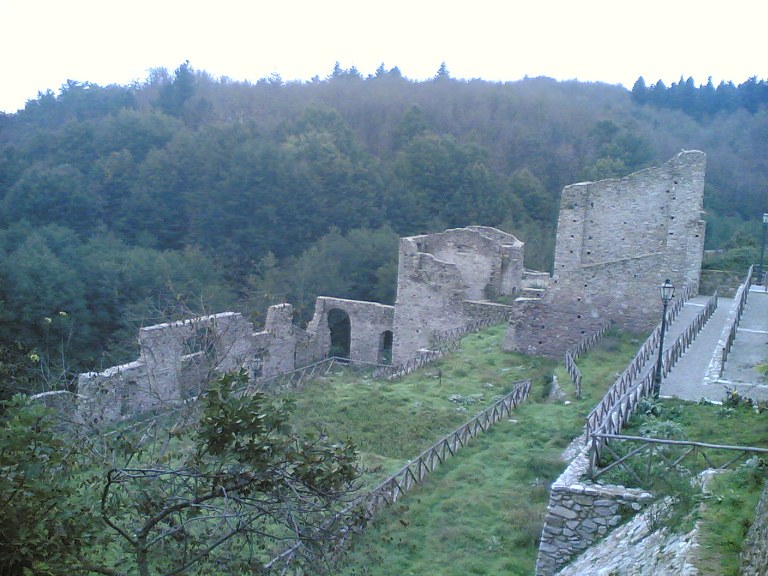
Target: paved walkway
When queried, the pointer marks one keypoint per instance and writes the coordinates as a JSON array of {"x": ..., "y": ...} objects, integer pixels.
[{"x": 686, "y": 380}]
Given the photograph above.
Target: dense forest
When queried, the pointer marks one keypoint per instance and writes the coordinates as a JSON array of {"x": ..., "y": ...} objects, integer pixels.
[{"x": 128, "y": 205}]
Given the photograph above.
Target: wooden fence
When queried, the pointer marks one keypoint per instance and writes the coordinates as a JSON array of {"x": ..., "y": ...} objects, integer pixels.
[
  {"x": 683, "y": 341},
  {"x": 352, "y": 518},
  {"x": 425, "y": 357},
  {"x": 296, "y": 378},
  {"x": 741, "y": 298},
  {"x": 626, "y": 382},
  {"x": 614, "y": 415},
  {"x": 669, "y": 453},
  {"x": 441, "y": 343},
  {"x": 572, "y": 354}
]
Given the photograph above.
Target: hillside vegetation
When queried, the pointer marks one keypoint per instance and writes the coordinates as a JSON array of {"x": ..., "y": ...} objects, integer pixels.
[{"x": 128, "y": 205}]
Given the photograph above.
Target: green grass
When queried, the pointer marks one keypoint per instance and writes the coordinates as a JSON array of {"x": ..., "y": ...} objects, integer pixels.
[
  {"x": 726, "y": 516},
  {"x": 702, "y": 422},
  {"x": 481, "y": 512},
  {"x": 391, "y": 421},
  {"x": 728, "y": 512}
]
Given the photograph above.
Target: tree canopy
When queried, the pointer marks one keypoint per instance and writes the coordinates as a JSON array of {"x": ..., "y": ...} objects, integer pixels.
[{"x": 117, "y": 202}]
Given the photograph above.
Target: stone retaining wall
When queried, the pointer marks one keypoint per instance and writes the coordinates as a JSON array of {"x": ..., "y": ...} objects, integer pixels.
[{"x": 580, "y": 513}]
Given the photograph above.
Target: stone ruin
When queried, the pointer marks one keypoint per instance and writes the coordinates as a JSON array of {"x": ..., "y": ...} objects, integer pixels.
[{"x": 617, "y": 240}]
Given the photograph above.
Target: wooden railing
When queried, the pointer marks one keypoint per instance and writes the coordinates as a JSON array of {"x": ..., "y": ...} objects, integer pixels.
[
  {"x": 741, "y": 298},
  {"x": 627, "y": 381},
  {"x": 356, "y": 515},
  {"x": 615, "y": 414},
  {"x": 439, "y": 337},
  {"x": 669, "y": 453},
  {"x": 684, "y": 340},
  {"x": 441, "y": 343},
  {"x": 572, "y": 354},
  {"x": 296, "y": 378},
  {"x": 425, "y": 357}
]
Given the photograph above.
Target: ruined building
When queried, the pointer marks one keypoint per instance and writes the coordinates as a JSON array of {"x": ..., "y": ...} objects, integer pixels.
[{"x": 616, "y": 241}]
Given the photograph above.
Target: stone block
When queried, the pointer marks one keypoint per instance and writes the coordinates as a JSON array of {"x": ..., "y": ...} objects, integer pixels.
[{"x": 563, "y": 512}]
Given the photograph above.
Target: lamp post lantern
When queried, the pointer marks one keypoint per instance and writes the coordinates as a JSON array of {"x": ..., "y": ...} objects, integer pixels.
[{"x": 667, "y": 292}]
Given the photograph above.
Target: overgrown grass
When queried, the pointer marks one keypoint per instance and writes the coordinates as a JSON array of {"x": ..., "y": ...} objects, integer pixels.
[
  {"x": 391, "y": 421},
  {"x": 726, "y": 516},
  {"x": 481, "y": 512}
]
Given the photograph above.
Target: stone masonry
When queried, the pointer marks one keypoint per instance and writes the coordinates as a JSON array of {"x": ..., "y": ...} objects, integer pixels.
[
  {"x": 580, "y": 513},
  {"x": 754, "y": 556},
  {"x": 438, "y": 274},
  {"x": 617, "y": 240}
]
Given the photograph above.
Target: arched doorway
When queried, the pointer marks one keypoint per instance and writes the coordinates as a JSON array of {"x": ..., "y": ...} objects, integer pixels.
[
  {"x": 341, "y": 333},
  {"x": 385, "y": 347}
]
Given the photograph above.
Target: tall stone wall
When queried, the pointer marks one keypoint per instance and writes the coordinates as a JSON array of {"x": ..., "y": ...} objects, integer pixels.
[
  {"x": 438, "y": 273},
  {"x": 617, "y": 240}
]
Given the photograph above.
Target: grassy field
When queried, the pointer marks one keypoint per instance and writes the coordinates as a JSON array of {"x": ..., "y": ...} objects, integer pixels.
[
  {"x": 482, "y": 511},
  {"x": 391, "y": 421}
]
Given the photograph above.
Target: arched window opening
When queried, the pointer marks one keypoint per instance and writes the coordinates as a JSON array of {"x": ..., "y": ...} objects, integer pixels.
[
  {"x": 341, "y": 333},
  {"x": 385, "y": 347}
]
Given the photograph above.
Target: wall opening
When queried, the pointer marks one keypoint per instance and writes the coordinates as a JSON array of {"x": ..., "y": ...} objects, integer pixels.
[
  {"x": 385, "y": 347},
  {"x": 201, "y": 342},
  {"x": 257, "y": 366},
  {"x": 341, "y": 333},
  {"x": 126, "y": 392}
]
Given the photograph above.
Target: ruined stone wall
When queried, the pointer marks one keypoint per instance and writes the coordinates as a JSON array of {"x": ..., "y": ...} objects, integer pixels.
[
  {"x": 438, "y": 273},
  {"x": 617, "y": 240},
  {"x": 368, "y": 322},
  {"x": 281, "y": 346},
  {"x": 114, "y": 393},
  {"x": 178, "y": 358},
  {"x": 580, "y": 513}
]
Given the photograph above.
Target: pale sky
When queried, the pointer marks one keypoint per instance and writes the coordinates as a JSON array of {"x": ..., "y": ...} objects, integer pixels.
[{"x": 45, "y": 42}]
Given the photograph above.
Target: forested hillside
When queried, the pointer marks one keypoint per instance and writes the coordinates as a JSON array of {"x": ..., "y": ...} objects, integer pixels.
[{"x": 128, "y": 205}]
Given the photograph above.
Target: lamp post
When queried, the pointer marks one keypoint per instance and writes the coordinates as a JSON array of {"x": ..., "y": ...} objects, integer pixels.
[
  {"x": 667, "y": 291},
  {"x": 762, "y": 245}
]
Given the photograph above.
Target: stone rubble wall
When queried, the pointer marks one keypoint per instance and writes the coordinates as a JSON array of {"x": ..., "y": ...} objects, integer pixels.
[
  {"x": 580, "y": 513},
  {"x": 754, "y": 555},
  {"x": 639, "y": 548},
  {"x": 177, "y": 359}
]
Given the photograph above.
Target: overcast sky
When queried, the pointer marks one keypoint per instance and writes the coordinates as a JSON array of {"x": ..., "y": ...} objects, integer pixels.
[{"x": 45, "y": 42}]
